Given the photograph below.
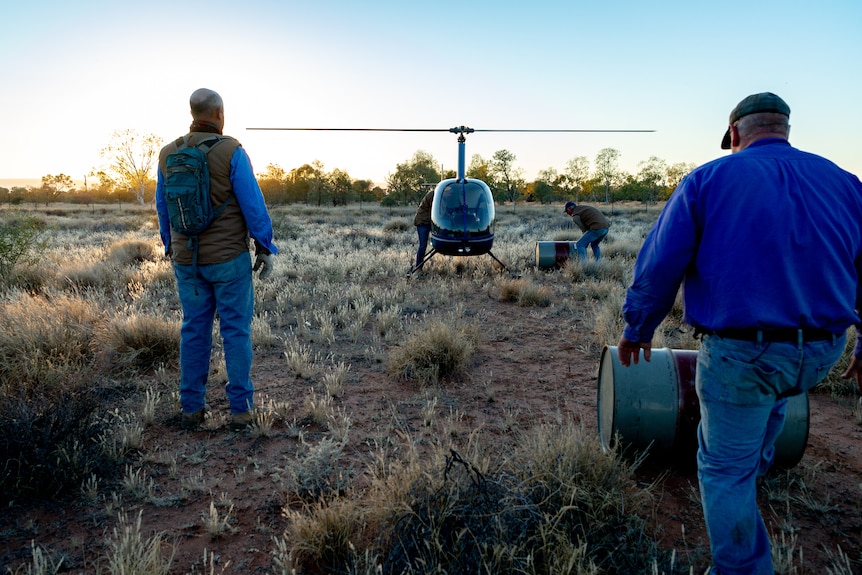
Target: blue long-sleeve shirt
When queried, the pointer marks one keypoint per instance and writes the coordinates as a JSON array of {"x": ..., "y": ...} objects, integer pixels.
[
  {"x": 768, "y": 237},
  {"x": 248, "y": 196}
]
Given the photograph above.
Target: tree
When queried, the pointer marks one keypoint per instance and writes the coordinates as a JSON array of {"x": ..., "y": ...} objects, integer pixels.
[
  {"x": 546, "y": 181},
  {"x": 388, "y": 201},
  {"x": 676, "y": 172},
  {"x": 131, "y": 161},
  {"x": 652, "y": 176},
  {"x": 363, "y": 191},
  {"x": 479, "y": 168},
  {"x": 409, "y": 177},
  {"x": 106, "y": 186},
  {"x": 273, "y": 183},
  {"x": 319, "y": 182},
  {"x": 542, "y": 191},
  {"x": 340, "y": 183},
  {"x": 53, "y": 186},
  {"x": 17, "y": 195},
  {"x": 300, "y": 182},
  {"x": 607, "y": 170},
  {"x": 506, "y": 175},
  {"x": 577, "y": 173}
]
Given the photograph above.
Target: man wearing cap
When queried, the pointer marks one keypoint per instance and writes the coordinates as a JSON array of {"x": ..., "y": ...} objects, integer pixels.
[
  {"x": 771, "y": 283},
  {"x": 593, "y": 224}
]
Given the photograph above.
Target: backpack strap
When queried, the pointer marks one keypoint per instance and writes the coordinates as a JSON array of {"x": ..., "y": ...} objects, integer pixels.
[
  {"x": 210, "y": 143},
  {"x": 206, "y": 145}
]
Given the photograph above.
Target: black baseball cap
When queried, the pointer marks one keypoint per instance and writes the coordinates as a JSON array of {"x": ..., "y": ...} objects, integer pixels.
[
  {"x": 569, "y": 204},
  {"x": 755, "y": 104}
]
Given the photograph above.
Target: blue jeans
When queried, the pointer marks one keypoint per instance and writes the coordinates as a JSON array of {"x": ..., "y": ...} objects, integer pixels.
[
  {"x": 225, "y": 288},
  {"x": 743, "y": 388},
  {"x": 591, "y": 238},
  {"x": 424, "y": 232}
]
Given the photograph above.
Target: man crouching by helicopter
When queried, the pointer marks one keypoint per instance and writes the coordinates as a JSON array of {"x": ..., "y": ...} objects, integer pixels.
[
  {"x": 422, "y": 221},
  {"x": 593, "y": 223}
]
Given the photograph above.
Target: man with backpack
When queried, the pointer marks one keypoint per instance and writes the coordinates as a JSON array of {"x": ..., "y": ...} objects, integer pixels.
[{"x": 209, "y": 205}]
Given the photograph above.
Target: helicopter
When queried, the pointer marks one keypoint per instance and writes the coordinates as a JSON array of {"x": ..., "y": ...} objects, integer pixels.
[{"x": 462, "y": 210}]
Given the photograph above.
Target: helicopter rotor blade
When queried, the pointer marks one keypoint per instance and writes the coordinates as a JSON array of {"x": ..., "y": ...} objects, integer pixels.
[
  {"x": 588, "y": 131},
  {"x": 358, "y": 129},
  {"x": 457, "y": 130}
]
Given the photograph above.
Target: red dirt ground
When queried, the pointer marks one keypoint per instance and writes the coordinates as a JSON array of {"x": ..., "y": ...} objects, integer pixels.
[{"x": 530, "y": 360}]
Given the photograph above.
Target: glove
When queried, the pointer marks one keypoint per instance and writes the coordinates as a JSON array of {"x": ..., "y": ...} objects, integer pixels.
[{"x": 263, "y": 262}]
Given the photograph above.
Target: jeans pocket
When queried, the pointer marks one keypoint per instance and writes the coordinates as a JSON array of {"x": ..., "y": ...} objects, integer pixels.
[
  {"x": 747, "y": 383},
  {"x": 823, "y": 362}
]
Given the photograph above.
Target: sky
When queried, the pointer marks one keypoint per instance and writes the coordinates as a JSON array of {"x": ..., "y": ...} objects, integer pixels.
[{"x": 73, "y": 73}]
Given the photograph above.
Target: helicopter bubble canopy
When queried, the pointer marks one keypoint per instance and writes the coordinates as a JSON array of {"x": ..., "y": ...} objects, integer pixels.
[{"x": 462, "y": 217}]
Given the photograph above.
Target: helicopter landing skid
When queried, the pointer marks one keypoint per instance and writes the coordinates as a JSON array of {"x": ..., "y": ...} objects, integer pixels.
[
  {"x": 418, "y": 266},
  {"x": 434, "y": 252}
]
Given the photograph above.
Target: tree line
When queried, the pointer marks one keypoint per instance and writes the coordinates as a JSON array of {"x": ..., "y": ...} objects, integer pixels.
[{"x": 127, "y": 174}]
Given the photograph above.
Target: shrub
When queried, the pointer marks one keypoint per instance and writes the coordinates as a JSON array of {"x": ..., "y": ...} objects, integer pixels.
[
  {"x": 129, "y": 552},
  {"x": 141, "y": 342},
  {"x": 45, "y": 341},
  {"x": 20, "y": 242},
  {"x": 433, "y": 352},
  {"x": 50, "y": 440},
  {"x": 557, "y": 504},
  {"x": 587, "y": 496},
  {"x": 317, "y": 472},
  {"x": 396, "y": 225},
  {"x": 524, "y": 293},
  {"x": 129, "y": 252},
  {"x": 322, "y": 534}
]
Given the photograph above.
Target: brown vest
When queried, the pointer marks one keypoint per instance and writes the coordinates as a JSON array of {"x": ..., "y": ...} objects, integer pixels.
[{"x": 227, "y": 236}]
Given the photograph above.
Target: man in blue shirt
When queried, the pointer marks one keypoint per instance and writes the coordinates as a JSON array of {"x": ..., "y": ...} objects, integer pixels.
[
  {"x": 221, "y": 280},
  {"x": 770, "y": 273}
]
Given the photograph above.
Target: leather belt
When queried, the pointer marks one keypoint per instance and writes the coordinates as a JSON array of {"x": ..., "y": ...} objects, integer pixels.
[{"x": 787, "y": 334}]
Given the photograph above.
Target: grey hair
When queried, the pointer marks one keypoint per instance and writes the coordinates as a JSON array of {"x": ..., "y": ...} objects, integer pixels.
[
  {"x": 205, "y": 103},
  {"x": 763, "y": 123}
]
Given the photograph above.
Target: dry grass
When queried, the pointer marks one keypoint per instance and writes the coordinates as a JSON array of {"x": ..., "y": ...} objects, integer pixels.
[
  {"x": 88, "y": 354},
  {"x": 129, "y": 551},
  {"x": 129, "y": 252},
  {"x": 139, "y": 341},
  {"x": 525, "y": 293},
  {"x": 557, "y": 504},
  {"x": 434, "y": 351},
  {"x": 46, "y": 341}
]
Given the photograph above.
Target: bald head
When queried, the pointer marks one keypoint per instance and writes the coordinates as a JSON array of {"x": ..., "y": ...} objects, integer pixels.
[{"x": 204, "y": 102}]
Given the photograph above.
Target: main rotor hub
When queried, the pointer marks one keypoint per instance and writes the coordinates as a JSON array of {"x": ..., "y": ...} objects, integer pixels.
[{"x": 461, "y": 130}]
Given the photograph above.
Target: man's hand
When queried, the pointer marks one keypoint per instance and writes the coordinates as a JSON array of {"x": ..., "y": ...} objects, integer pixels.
[
  {"x": 855, "y": 370},
  {"x": 263, "y": 262},
  {"x": 629, "y": 351}
]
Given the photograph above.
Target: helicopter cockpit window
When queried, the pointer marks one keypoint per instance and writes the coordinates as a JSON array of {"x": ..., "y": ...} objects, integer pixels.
[{"x": 463, "y": 207}]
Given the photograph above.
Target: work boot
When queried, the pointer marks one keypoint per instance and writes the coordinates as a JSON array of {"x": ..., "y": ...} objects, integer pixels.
[
  {"x": 194, "y": 420},
  {"x": 240, "y": 421}
]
